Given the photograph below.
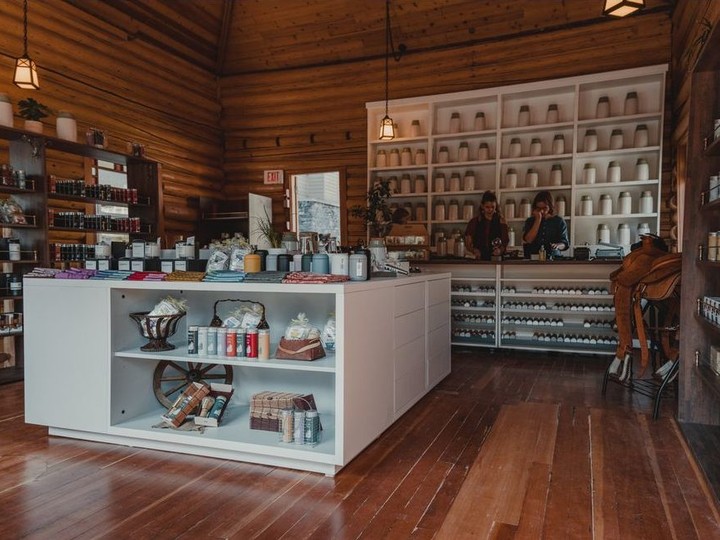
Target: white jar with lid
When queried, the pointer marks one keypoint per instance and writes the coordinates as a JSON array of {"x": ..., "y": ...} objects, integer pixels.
[
  {"x": 614, "y": 172},
  {"x": 589, "y": 174},
  {"x": 586, "y": 205},
  {"x": 556, "y": 175},
  {"x": 515, "y": 148},
  {"x": 469, "y": 181},
  {"x": 631, "y": 103},
  {"x": 393, "y": 184},
  {"x": 420, "y": 157},
  {"x": 603, "y": 234},
  {"x": 439, "y": 183},
  {"x": 524, "y": 116},
  {"x": 624, "y": 234},
  {"x": 531, "y": 178},
  {"x": 394, "y": 157},
  {"x": 643, "y": 228},
  {"x": 468, "y": 210},
  {"x": 558, "y": 144},
  {"x": 454, "y": 183},
  {"x": 6, "y": 111},
  {"x": 463, "y": 151},
  {"x": 455, "y": 126},
  {"x": 590, "y": 143},
  {"x": 406, "y": 157},
  {"x": 642, "y": 169},
  {"x": 552, "y": 114},
  {"x": 535, "y": 147},
  {"x": 415, "y": 128},
  {"x": 420, "y": 212},
  {"x": 479, "y": 121},
  {"x": 605, "y": 205},
  {"x": 641, "y": 137},
  {"x": 420, "y": 184},
  {"x": 647, "y": 203},
  {"x": 616, "y": 139},
  {"x": 525, "y": 208},
  {"x": 443, "y": 155},
  {"x": 483, "y": 152},
  {"x": 511, "y": 237},
  {"x": 440, "y": 211},
  {"x": 509, "y": 209},
  {"x": 603, "y": 107},
  {"x": 381, "y": 159},
  {"x": 453, "y": 211},
  {"x": 625, "y": 203},
  {"x": 405, "y": 184},
  {"x": 66, "y": 126},
  {"x": 560, "y": 205},
  {"x": 511, "y": 179}
]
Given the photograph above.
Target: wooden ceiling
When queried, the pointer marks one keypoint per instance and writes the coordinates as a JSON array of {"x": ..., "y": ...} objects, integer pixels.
[{"x": 231, "y": 37}]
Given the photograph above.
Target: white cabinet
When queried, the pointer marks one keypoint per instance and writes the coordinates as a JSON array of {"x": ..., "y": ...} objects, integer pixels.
[
  {"x": 537, "y": 128},
  {"x": 86, "y": 376}
]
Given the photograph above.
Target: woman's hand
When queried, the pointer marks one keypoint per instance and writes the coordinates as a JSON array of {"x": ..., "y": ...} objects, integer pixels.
[{"x": 537, "y": 213}]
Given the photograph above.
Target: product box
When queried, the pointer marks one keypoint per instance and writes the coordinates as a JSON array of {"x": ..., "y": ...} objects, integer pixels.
[
  {"x": 101, "y": 264},
  {"x": 265, "y": 408},
  {"x": 185, "y": 404},
  {"x": 221, "y": 393},
  {"x": 190, "y": 265}
]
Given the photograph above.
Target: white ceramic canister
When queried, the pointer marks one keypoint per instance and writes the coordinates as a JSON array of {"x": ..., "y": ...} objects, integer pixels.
[
  {"x": 558, "y": 144},
  {"x": 420, "y": 186},
  {"x": 525, "y": 208},
  {"x": 454, "y": 183},
  {"x": 483, "y": 152},
  {"x": 479, "y": 121},
  {"x": 625, "y": 203},
  {"x": 439, "y": 183},
  {"x": 420, "y": 212},
  {"x": 468, "y": 210},
  {"x": 586, "y": 205},
  {"x": 643, "y": 228},
  {"x": 405, "y": 184},
  {"x": 455, "y": 126},
  {"x": 524, "y": 116},
  {"x": 603, "y": 107},
  {"x": 443, "y": 155},
  {"x": 511, "y": 179},
  {"x": 631, "y": 103},
  {"x": 531, "y": 178},
  {"x": 589, "y": 173},
  {"x": 556, "y": 175},
  {"x": 271, "y": 262},
  {"x": 511, "y": 236},
  {"x": 642, "y": 169},
  {"x": 463, "y": 151},
  {"x": 616, "y": 139},
  {"x": 339, "y": 263},
  {"x": 381, "y": 158},
  {"x": 647, "y": 203},
  {"x": 510, "y": 209},
  {"x": 420, "y": 157},
  {"x": 590, "y": 142},
  {"x": 535, "y": 147},
  {"x": 560, "y": 205},
  {"x": 641, "y": 137},
  {"x": 6, "y": 111},
  {"x": 623, "y": 234},
  {"x": 394, "y": 157},
  {"x": 515, "y": 148},
  {"x": 469, "y": 181},
  {"x": 357, "y": 267},
  {"x": 406, "y": 157},
  {"x": 415, "y": 128},
  {"x": 66, "y": 126},
  {"x": 614, "y": 172},
  {"x": 603, "y": 234},
  {"x": 453, "y": 210},
  {"x": 440, "y": 211},
  {"x": 552, "y": 114},
  {"x": 393, "y": 184},
  {"x": 605, "y": 206}
]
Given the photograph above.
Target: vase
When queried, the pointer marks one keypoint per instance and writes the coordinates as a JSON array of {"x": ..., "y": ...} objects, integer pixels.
[
  {"x": 34, "y": 126},
  {"x": 66, "y": 126}
]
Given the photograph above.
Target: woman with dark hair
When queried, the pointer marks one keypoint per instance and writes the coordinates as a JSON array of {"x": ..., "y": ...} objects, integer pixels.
[
  {"x": 544, "y": 228},
  {"x": 486, "y": 235}
]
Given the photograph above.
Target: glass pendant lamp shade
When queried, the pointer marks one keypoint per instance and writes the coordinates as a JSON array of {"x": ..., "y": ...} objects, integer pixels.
[
  {"x": 26, "y": 74},
  {"x": 621, "y": 8},
  {"x": 387, "y": 129}
]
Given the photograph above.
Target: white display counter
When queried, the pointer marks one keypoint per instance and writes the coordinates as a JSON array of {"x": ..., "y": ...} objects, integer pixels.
[{"x": 86, "y": 377}]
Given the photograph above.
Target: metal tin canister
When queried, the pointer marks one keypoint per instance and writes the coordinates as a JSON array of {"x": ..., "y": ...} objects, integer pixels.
[
  {"x": 202, "y": 341},
  {"x": 241, "y": 343},
  {"x": 286, "y": 425},
  {"x": 192, "y": 347},
  {"x": 221, "y": 338},
  {"x": 263, "y": 348},
  {"x": 299, "y": 427},
  {"x": 211, "y": 341},
  {"x": 312, "y": 428},
  {"x": 231, "y": 342},
  {"x": 251, "y": 343}
]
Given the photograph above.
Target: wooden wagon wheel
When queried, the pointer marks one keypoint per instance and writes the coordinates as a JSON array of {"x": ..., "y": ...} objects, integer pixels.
[{"x": 170, "y": 378}]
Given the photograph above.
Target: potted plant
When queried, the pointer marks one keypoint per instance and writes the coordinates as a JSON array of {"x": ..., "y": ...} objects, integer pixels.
[
  {"x": 265, "y": 229},
  {"x": 377, "y": 214},
  {"x": 33, "y": 111}
]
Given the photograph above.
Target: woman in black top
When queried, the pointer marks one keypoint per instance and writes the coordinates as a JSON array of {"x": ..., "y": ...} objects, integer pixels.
[
  {"x": 544, "y": 228},
  {"x": 486, "y": 234}
]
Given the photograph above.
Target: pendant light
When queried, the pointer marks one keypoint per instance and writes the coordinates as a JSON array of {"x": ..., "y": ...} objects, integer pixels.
[
  {"x": 387, "y": 127},
  {"x": 621, "y": 8},
  {"x": 25, "y": 69}
]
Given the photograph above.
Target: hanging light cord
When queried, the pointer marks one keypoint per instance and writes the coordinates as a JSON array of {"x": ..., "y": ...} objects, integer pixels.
[
  {"x": 389, "y": 47},
  {"x": 25, "y": 28}
]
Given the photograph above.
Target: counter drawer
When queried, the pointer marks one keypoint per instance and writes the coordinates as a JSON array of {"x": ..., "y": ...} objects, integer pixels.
[
  {"x": 438, "y": 315},
  {"x": 438, "y": 291},
  {"x": 409, "y": 327},
  {"x": 409, "y": 298}
]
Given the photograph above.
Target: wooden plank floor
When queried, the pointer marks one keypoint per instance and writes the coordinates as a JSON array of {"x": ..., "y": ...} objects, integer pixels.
[{"x": 510, "y": 445}]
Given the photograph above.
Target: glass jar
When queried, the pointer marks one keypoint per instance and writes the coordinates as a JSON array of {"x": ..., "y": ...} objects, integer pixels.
[
  {"x": 463, "y": 151},
  {"x": 558, "y": 145},
  {"x": 531, "y": 178},
  {"x": 15, "y": 285},
  {"x": 642, "y": 169},
  {"x": 479, "y": 121},
  {"x": 535, "y": 147},
  {"x": 509, "y": 209},
  {"x": 586, "y": 205},
  {"x": 524, "y": 116},
  {"x": 439, "y": 183},
  {"x": 625, "y": 203},
  {"x": 443, "y": 155},
  {"x": 394, "y": 157},
  {"x": 455, "y": 126},
  {"x": 469, "y": 181},
  {"x": 511, "y": 237},
  {"x": 515, "y": 148},
  {"x": 647, "y": 203},
  {"x": 603, "y": 107},
  {"x": 605, "y": 205},
  {"x": 511, "y": 179},
  {"x": 590, "y": 143},
  {"x": 641, "y": 138},
  {"x": 406, "y": 157},
  {"x": 483, "y": 152},
  {"x": 420, "y": 157},
  {"x": 556, "y": 175},
  {"x": 631, "y": 103},
  {"x": 552, "y": 114},
  {"x": 614, "y": 173},
  {"x": 616, "y": 139},
  {"x": 589, "y": 173},
  {"x": 14, "y": 249}
]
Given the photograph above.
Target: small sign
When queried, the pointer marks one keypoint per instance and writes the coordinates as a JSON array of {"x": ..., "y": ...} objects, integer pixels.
[{"x": 273, "y": 177}]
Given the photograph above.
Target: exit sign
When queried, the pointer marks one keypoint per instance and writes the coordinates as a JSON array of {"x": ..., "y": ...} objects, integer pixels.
[{"x": 273, "y": 177}]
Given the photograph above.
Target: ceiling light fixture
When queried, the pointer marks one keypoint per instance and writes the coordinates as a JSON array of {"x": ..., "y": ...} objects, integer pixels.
[
  {"x": 621, "y": 8},
  {"x": 25, "y": 69},
  {"x": 387, "y": 127}
]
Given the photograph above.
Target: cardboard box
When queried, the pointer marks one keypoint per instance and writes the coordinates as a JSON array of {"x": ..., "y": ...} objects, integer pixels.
[
  {"x": 185, "y": 404},
  {"x": 217, "y": 390}
]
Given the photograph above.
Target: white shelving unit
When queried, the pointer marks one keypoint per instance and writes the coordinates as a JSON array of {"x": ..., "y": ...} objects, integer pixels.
[
  {"x": 87, "y": 378},
  {"x": 576, "y": 99}
]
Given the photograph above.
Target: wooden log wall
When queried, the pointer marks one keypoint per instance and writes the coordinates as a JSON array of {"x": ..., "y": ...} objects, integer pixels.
[
  {"x": 131, "y": 88},
  {"x": 315, "y": 119}
]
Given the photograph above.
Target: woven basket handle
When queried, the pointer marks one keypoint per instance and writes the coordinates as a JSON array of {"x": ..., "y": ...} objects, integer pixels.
[{"x": 301, "y": 349}]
